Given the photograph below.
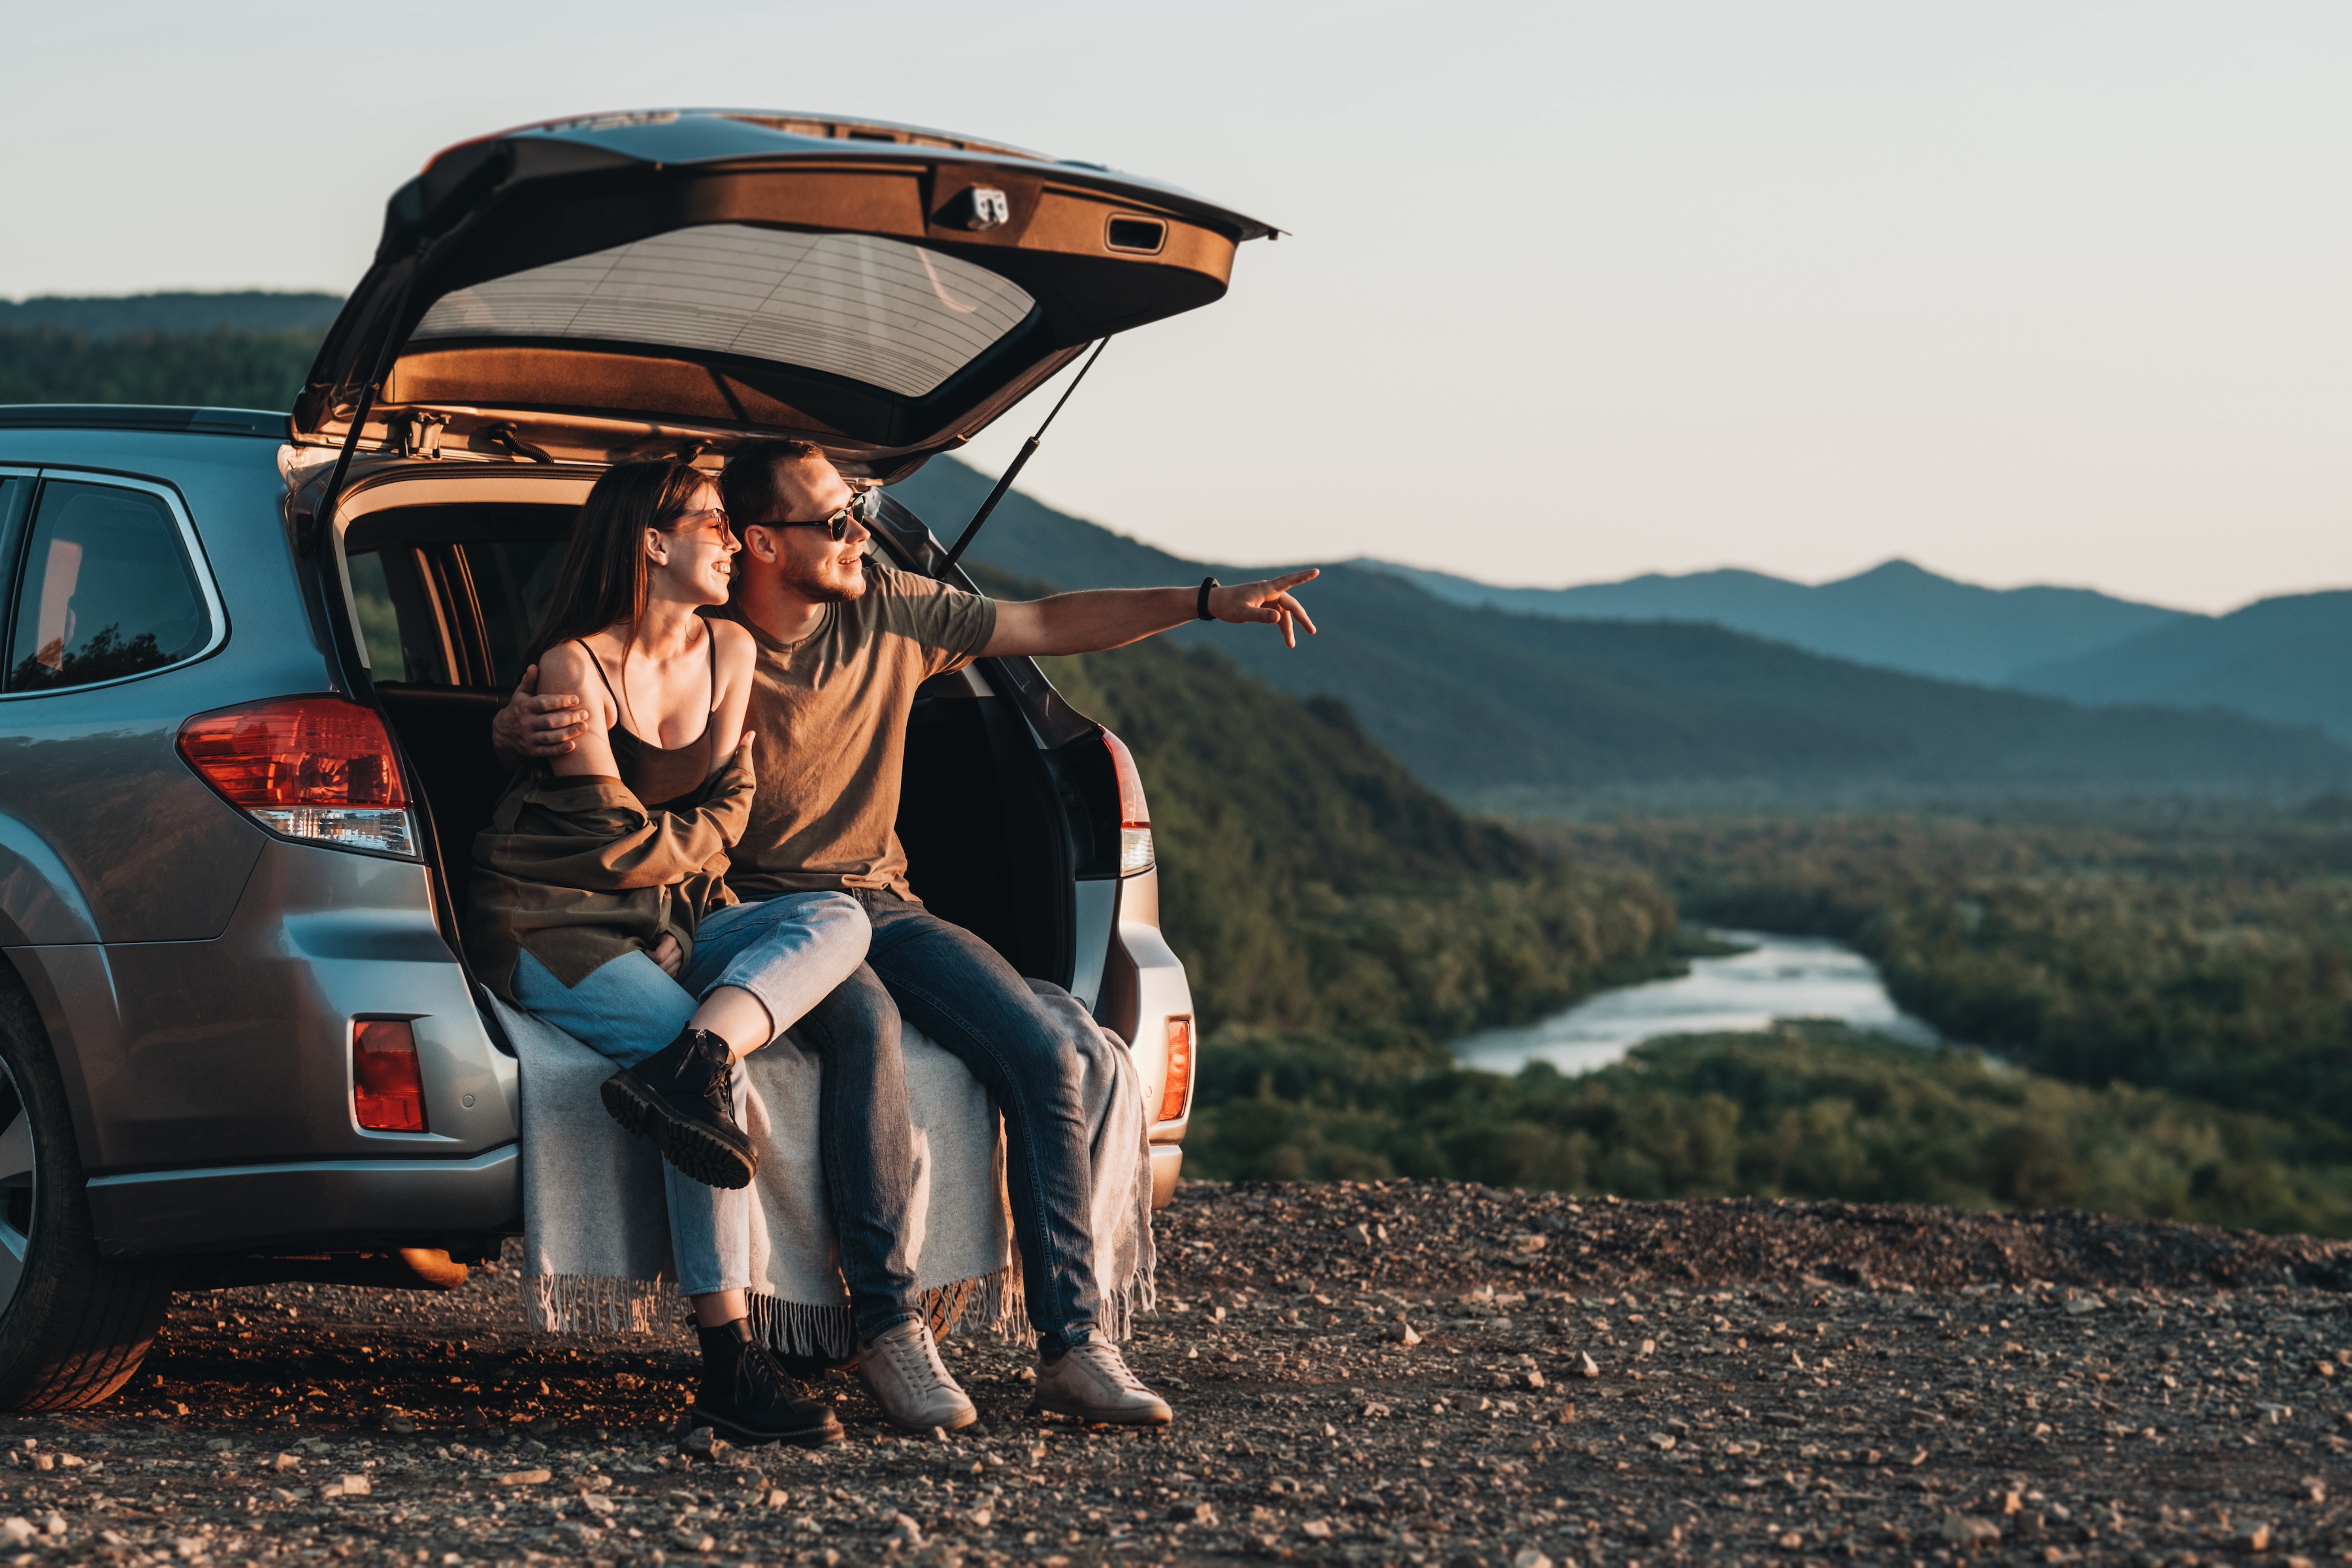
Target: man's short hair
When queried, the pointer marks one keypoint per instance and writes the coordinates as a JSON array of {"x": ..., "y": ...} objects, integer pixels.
[{"x": 749, "y": 486}]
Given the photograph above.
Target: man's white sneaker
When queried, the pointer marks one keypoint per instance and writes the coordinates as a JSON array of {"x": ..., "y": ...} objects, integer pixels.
[
  {"x": 902, "y": 1371},
  {"x": 1093, "y": 1383}
]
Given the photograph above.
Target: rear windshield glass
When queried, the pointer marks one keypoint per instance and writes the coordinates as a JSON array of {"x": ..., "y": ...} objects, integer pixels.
[{"x": 880, "y": 311}]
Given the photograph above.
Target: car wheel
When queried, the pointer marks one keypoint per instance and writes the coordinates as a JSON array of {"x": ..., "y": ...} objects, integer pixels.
[{"x": 73, "y": 1325}]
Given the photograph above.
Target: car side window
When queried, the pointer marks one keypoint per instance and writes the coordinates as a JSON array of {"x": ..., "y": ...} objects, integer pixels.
[{"x": 105, "y": 590}]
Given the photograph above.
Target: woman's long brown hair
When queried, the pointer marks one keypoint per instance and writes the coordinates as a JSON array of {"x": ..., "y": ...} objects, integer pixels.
[{"x": 603, "y": 582}]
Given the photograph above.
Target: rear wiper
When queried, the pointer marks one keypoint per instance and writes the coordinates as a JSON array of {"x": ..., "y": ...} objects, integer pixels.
[{"x": 971, "y": 528}]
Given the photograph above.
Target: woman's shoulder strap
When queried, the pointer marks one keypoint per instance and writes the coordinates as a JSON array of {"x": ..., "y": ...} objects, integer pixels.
[{"x": 599, "y": 670}]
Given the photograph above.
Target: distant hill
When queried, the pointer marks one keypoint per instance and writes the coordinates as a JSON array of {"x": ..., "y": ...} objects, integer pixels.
[
  {"x": 112, "y": 315},
  {"x": 1897, "y": 616},
  {"x": 2283, "y": 658},
  {"x": 227, "y": 351},
  {"x": 1516, "y": 711}
]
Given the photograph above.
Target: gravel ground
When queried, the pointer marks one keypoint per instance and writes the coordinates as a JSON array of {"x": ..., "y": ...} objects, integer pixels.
[{"x": 1423, "y": 1373}]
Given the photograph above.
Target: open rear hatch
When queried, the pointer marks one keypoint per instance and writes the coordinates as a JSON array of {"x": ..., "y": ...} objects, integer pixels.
[{"x": 598, "y": 288}]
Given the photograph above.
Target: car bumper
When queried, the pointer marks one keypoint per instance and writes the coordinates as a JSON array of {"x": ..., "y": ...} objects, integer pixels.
[{"x": 325, "y": 1204}]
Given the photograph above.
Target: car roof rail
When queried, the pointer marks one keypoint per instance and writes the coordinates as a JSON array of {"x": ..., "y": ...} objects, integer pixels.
[{"x": 138, "y": 416}]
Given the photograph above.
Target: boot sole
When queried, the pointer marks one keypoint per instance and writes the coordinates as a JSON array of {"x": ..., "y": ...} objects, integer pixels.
[
  {"x": 749, "y": 1437},
  {"x": 693, "y": 1151},
  {"x": 1101, "y": 1417}
]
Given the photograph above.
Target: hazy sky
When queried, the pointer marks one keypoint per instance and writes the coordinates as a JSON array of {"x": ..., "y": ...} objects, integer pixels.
[{"x": 2025, "y": 292}]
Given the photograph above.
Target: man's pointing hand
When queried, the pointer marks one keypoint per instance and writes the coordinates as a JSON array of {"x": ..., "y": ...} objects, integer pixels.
[{"x": 1269, "y": 601}]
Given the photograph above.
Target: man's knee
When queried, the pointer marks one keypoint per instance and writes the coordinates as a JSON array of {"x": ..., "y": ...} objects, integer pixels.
[{"x": 856, "y": 1018}]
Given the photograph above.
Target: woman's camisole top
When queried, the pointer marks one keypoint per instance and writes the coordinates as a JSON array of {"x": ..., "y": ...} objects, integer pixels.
[{"x": 662, "y": 777}]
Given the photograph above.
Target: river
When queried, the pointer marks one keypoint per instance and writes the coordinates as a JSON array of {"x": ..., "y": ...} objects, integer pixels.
[{"x": 1781, "y": 977}]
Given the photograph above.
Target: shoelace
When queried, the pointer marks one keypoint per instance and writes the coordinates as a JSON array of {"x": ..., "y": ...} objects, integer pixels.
[
  {"x": 916, "y": 1360},
  {"x": 759, "y": 1381},
  {"x": 1112, "y": 1365}
]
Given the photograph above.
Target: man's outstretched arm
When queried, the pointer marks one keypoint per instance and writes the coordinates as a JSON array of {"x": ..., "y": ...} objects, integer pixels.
[{"x": 1101, "y": 618}]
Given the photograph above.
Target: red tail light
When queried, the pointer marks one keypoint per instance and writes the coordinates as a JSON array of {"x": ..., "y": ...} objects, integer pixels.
[
  {"x": 315, "y": 768},
  {"x": 1135, "y": 853},
  {"x": 387, "y": 1088},
  {"x": 1179, "y": 1086}
]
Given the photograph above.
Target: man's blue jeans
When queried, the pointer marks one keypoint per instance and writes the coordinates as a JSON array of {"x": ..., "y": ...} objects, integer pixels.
[
  {"x": 963, "y": 993},
  {"x": 958, "y": 991}
]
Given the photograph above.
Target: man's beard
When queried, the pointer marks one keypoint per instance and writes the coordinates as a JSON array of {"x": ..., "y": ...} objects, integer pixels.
[{"x": 816, "y": 588}]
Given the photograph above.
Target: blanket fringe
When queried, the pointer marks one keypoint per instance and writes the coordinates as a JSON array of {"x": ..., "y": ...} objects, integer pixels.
[{"x": 594, "y": 1303}]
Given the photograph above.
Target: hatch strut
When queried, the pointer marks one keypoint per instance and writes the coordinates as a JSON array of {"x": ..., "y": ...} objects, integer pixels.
[
  {"x": 1013, "y": 471},
  {"x": 319, "y": 530}
]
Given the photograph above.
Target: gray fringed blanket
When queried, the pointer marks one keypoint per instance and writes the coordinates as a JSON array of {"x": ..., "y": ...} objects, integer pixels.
[{"x": 596, "y": 1242}]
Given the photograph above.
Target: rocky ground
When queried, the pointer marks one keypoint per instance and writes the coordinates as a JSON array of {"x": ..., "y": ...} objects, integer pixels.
[{"x": 1420, "y": 1374}]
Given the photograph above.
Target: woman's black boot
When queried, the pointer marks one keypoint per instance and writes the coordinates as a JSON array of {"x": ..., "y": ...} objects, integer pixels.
[
  {"x": 744, "y": 1397},
  {"x": 683, "y": 1098}
]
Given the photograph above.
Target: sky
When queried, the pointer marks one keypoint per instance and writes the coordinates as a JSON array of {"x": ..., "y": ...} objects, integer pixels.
[{"x": 2023, "y": 292}]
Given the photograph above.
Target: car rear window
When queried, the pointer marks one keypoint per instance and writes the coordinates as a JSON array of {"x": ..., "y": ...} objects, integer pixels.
[
  {"x": 892, "y": 315},
  {"x": 106, "y": 590}
]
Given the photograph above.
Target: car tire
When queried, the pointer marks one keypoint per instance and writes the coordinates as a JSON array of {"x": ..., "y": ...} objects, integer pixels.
[{"x": 73, "y": 1325}]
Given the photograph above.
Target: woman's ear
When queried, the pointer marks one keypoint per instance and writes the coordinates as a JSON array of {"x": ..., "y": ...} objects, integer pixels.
[{"x": 658, "y": 547}]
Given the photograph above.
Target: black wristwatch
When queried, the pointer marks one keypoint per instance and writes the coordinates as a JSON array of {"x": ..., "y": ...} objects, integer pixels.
[{"x": 1200, "y": 610}]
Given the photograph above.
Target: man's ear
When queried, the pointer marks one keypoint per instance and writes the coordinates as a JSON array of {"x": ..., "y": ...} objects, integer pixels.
[{"x": 760, "y": 543}]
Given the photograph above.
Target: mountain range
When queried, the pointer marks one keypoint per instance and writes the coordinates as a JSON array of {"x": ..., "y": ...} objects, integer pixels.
[
  {"x": 1537, "y": 712},
  {"x": 2277, "y": 659}
]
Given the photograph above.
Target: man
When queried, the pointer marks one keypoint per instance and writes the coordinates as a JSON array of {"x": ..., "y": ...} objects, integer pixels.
[{"x": 844, "y": 644}]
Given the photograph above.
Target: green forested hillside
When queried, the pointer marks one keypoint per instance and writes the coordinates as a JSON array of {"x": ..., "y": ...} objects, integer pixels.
[
  {"x": 1809, "y": 1110},
  {"x": 228, "y": 369},
  {"x": 2209, "y": 955},
  {"x": 1311, "y": 883},
  {"x": 221, "y": 351}
]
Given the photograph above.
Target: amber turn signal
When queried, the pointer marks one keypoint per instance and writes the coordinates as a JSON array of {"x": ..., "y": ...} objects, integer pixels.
[
  {"x": 387, "y": 1087},
  {"x": 1179, "y": 1085}
]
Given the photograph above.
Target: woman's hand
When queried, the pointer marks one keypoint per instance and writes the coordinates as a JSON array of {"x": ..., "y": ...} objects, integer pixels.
[{"x": 670, "y": 955}]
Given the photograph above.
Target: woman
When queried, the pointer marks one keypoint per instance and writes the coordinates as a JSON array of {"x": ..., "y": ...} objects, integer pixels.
[{"x": 598, "y": 867}]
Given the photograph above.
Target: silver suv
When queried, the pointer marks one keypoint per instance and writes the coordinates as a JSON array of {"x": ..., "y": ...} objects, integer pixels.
[{"x": 252, "y": 660}]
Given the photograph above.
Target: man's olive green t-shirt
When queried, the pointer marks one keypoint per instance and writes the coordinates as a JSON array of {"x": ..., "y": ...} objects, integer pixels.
[{"x": 831, "y": 713}]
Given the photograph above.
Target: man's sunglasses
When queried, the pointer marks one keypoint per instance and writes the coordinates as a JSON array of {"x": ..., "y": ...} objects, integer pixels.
[{"x": 838, "y": 525}]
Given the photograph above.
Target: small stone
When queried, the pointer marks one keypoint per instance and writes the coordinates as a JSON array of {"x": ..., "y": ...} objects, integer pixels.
[
  {"x": 18, "y": 1531},
  {"x": 1192, "y": 1513},
  {"x": 355, "y": 1486},
  {"x": 1590, "y": 1367},
  {"x": 1565, "y": 1415},
  {"x": 1535, "y": 1380},
  {"x": 2258, "y": 1539},
  {"x": 1968, "y": 1533},
  {"x": 1402, "y": 1334},
  {"x": 1316, "y": 1529},
  {"x": 1661, "y": 1441},
  {"x": 284, "y": 1462},
  {"x": 1529, "y": 1557},
  {"x": 687, "y": 1539},
  {"x": 982, "y": 1517},
  {"x": 1376, "y": 1412},
  {"x": 525, "y": 1478}
]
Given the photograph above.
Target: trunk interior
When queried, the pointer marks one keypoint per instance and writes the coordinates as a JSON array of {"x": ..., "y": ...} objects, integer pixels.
[{"x": 446, "y": 597}]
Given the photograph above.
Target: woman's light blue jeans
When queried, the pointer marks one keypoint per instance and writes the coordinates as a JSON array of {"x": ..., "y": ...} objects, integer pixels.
[{"x": 628, "y": 1010}]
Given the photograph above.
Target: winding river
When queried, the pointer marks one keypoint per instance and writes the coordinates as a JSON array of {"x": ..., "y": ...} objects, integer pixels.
[{"x": 1781, "y": 977}]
